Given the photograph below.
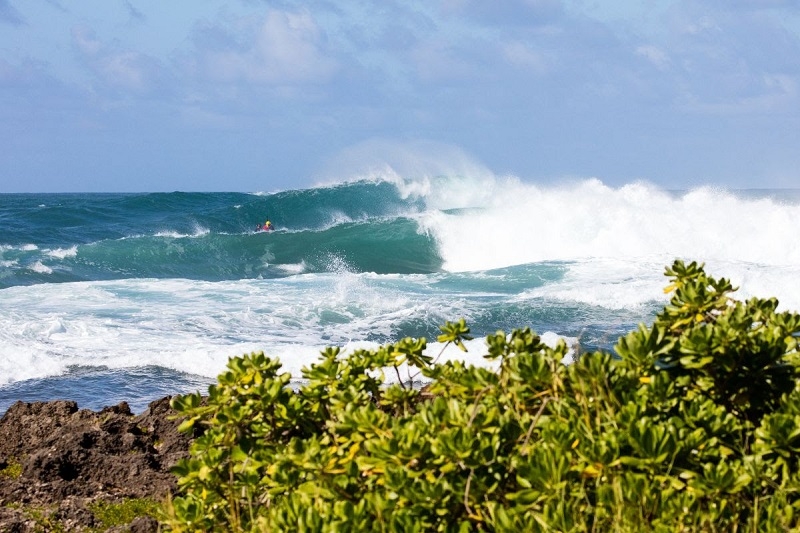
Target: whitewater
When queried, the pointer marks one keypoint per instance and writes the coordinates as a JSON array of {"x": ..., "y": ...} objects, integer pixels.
[{"x": 130, "y": 297}]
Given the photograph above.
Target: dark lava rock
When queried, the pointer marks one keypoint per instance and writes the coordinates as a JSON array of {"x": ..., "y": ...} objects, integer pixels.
[{"x": 70, "y": 458}]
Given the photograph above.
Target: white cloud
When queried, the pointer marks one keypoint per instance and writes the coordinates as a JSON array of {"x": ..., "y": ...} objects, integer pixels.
[
  {"x": 284, "y": 49},
  {"x": 654, "y": 55},
  {"x": 115, "y": 68},
  {"x": 125, "y": 69},
  {"x": 86, "y": 41}
]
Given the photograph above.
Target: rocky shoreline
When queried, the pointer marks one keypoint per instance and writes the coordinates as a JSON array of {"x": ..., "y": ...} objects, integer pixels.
[{"x": 59, "y": 462}]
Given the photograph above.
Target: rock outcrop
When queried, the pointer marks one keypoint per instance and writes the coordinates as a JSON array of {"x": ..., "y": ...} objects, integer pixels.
[{"x": 57, "y": 460}]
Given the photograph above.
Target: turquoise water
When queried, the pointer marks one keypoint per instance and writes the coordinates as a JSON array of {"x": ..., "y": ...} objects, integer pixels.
[{"x": 111, "y": 297}]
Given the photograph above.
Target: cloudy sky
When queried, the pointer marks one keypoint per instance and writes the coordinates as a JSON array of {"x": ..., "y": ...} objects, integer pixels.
[{"x": 251, "y": 95}]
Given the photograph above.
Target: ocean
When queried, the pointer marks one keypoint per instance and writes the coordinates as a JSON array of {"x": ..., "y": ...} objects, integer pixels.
[{"x": 130, "y": 297}]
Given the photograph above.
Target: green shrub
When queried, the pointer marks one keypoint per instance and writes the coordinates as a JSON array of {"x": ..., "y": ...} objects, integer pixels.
[{"x": 695, "y": 426}]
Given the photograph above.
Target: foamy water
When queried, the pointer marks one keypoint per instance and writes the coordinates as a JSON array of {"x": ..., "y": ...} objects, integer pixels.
[
  {"x": 157, "y": 293},
  {"x": 620, "y": 239}
]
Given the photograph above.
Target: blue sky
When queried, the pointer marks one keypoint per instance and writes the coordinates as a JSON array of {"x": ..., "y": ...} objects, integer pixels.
[{"x": 249, "y": 95}]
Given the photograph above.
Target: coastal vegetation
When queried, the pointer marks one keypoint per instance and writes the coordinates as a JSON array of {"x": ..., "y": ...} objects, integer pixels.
[
  {"x": 11, "y": 469},
  {"x": 692, "y": 424},
  {"x": 106, "y": 515},
  {"x": 119, "y": 513}
]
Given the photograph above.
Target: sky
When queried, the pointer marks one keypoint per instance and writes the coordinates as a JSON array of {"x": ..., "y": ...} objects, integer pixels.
[{"x": 252, "y": 95}]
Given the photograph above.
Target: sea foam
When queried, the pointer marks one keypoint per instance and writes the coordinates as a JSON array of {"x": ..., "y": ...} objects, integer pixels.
[{"x": 618, "y": 239}]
